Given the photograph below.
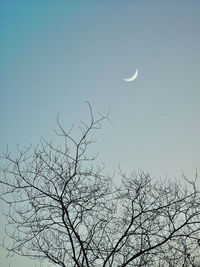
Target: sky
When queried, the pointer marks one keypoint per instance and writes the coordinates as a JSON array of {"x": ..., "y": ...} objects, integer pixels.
[{"x": 55, "y": 55}]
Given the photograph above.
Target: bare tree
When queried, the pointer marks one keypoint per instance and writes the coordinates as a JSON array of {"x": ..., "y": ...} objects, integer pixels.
[{"x": 64, "y": 209}]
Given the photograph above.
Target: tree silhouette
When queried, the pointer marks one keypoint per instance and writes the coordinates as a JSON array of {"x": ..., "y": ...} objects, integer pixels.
[{"x": 64, "y": 209}]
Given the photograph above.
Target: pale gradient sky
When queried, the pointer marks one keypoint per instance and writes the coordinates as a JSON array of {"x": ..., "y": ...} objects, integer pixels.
[{"x": 57, "y": 54}]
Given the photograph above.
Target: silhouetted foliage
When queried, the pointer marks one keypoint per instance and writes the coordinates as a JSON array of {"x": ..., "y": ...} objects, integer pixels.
[{"x": 64, "y": 209}]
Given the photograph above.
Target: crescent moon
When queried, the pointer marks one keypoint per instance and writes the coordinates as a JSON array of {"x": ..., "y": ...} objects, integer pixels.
[{"x": 132, "y": 78}]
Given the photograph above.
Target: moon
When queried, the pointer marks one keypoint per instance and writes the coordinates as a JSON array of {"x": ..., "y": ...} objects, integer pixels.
[{"x": 132, "y": 78}]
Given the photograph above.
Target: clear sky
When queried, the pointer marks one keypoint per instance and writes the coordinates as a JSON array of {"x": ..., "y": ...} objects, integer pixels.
[{"x": 55, "y": 55}]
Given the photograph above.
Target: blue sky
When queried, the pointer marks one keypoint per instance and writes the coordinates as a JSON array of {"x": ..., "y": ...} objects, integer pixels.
[{"x": 55, "y": 55}]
